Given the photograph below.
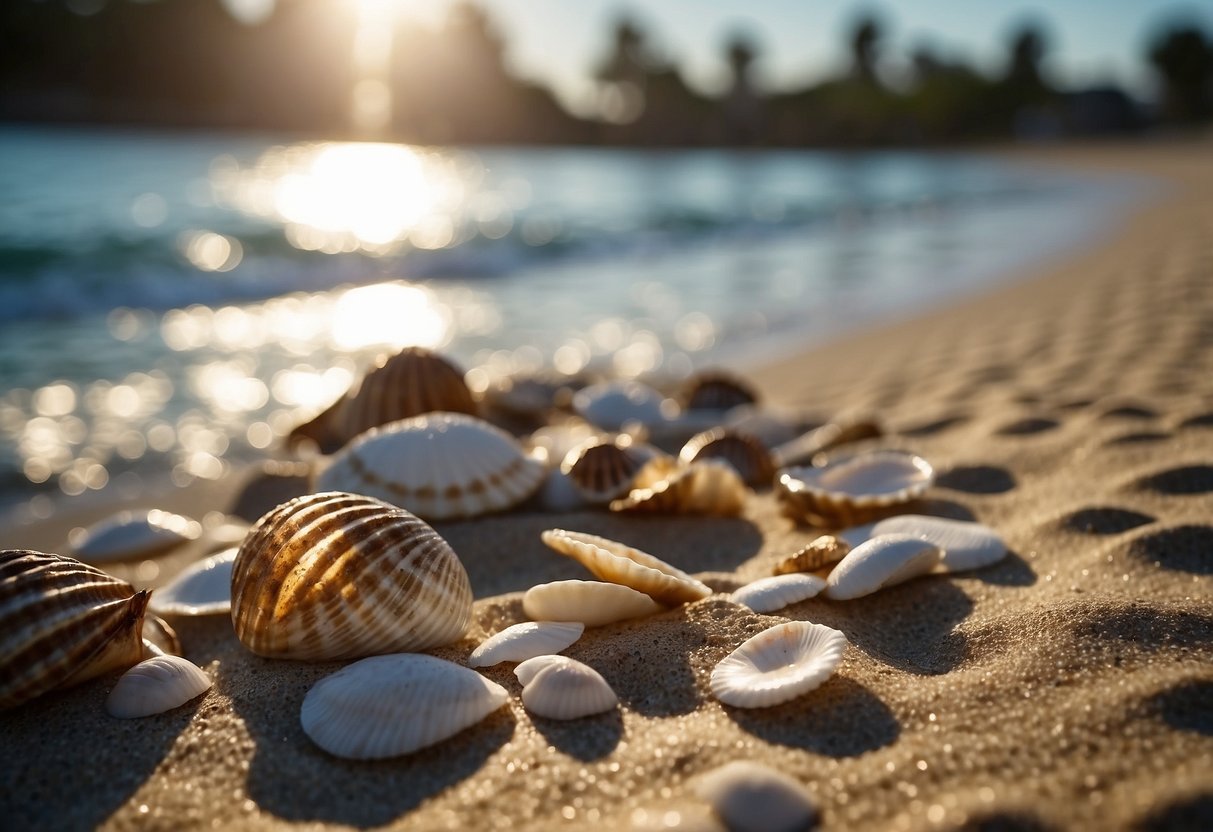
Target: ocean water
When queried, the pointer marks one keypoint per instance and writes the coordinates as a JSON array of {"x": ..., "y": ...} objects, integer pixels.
[{"x": 171, "y": 304}]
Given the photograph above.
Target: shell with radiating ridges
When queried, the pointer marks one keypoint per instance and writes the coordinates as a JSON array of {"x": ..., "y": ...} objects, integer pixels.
[
  {"x": 751, "y": 797},
  {"x": 818, "y": 556},
  {"x": 770, "y": 594},
  {"x": 965, "y": 545},
  {"x": 340, "y": 576},
  {"x": 778, "y": 664},
  {"x": 604, "y": 467},
  {"x": 619, "y": 563},
  {"x": 133, "y": 534},
  {"x": 716, "y": 390},
  {"x": 612, "y": 404},
  {"x": 801, "y": 449},
  {"x": 855, "y": 489},
  {"x": 880, "y": 562},
  {"x": 203, "y": 588},
  {"x": 526, "y": 641},
  {"x": 156, "y": 685},
  {"x": 440, "y": 466},
  {"x": 749, "y": 457},
  {"x": 386, "y": 706},
  {"x": 592, "y": 603},
  {"x": 557, "y": 687},
  {"x": 62, "y": 622},
  {"x": 705, "y": 487}
]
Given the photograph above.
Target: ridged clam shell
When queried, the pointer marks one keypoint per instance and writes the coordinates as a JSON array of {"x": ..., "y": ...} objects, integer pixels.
[
  {"x": 716, "y": 390},
  {"x": 751, "y": 797},
  {"x": 62, "y": 622},
  {"x": 386, "y": 706},
  {"x": 156, "y": 685},
  {"x": 747, "y": 455},
  {"x": 771, "y": 594},
  {"x": 819, "y": 555},
  {"x": 339, "y": 576},
  {"x": 558, "y": 687},
  {"x": 526, "y": 641},
  {"x": 612, "y": 404},
  {"x": 880, "y": 562},
  {"x": 603, "y": 468},
  {"x": 593, "y": 603},
  {"x": 778, "y": 664},
  {"x": 133, "y": 534},
  {"x": 801, "y": 449},
  {"x": 965, "y": 545},
  {"x": 704, "y": 487},
  {"x": 855, "y": 489},
  {"x": 618, "y": 563},
  {"x": 204, "y": 588},
  {"x": 439, "y": 466}
]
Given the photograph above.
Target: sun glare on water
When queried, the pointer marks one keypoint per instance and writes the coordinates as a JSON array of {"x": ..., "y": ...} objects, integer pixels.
[{"x": 389, "y": 314}]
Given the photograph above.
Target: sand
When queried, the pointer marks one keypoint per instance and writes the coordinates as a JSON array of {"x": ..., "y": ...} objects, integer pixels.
[{"x": 1068, "y": 687}]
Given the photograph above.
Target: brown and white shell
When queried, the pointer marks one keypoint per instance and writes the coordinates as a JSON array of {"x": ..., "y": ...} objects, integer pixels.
[
  {"x": 340, "y": 576},
  {"x": 801, "y": 449},
  {"x": 440, "y": 466},
  {"x": 705, "y": 487},
  {"x": 604, "y": 467},
  {"x": 62, "y": 622},
  {"x": 619, "y": 563},
  {"x": 749, "y": 457},
  {"x": 716, "y": 390},
  {"x": 818, "y": 556},
  {"x": 854, "y": 489}
]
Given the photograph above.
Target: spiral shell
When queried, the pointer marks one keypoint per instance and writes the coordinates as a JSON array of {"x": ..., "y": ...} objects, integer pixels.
[
  {"x": 340, "y": 576},
  {"x": 603, "y": 468},
  {"x": 747, "y": 455},
  {"x": 62, "y": 622}
]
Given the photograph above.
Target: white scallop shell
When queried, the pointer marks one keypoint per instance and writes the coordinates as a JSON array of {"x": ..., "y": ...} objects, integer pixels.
[
  {"x": 612, "y": 404},
  {"x": 439, "y": 466},
  {"x": 390, "y": 705},
  {"x": 855, "y": 488},
  {"x": 751, "y": 797},
  {"x": 155, "y": 686},
  {"x": 965, "y": 545},
  {"x": 778, "y": 664},
  {"x": 526, "y": 641},
  {"x": 879, "y": 562},
  {"x": 593, "y": 603},
  {"x": 132, "y": 534},
  {"x": 558, "y": 687},
  {"x": 205, "y": 588},
  {"x": 708, "y": 486},
  {"x": 618, "y": 563},
  {"x": 775, "y": 593}
]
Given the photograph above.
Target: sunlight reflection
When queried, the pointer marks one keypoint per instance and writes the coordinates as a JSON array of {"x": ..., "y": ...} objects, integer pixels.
[{"x": 390, "y": 314}]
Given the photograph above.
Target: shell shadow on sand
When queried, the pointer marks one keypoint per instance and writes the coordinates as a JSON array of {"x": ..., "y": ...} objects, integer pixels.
[
  {"x": 1104, "y": 520},
  {"x": 1187, "y": 706},
  {"x": 977, "y": 479},
  {"x": 1182, "y": 548},
  {"x": 1194, "y": 813}
]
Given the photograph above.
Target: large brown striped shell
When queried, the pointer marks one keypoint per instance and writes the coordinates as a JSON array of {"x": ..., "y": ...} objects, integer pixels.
[
  {"x": 603, "y": 468},
  {"x": 715, "y": 390},
  {"x": 340, "y": 576},
  {"x": 747, "y": 455},
  {"x": 62, "y": 622}
]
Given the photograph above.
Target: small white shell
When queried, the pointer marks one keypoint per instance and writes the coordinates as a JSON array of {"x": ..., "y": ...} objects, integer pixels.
[
  {"x": 708, "y": 486},
  {"x": 778, "y": 664},
  {"x": 558, "y": 494},
  {"x": 205, "y": 588},
  {"x": 965, "y": 545},
  {"x": 558, "y": 687},
  {"x": 881, "y": 561},
  {"x": 593, "y": 603},
  {"x": 771, "y": 594},
  {"x": 132, "y": 534},
  {"x": 155, "y": 686},
  {"x": 526, "y": 641},
  {"x": 612, "y": 404},
  {"x": 390, "y": 705},
  {"x": 618, "y": 563},
  {"x": 751, "y": 797},
  {"x": 855, "y": 488}
]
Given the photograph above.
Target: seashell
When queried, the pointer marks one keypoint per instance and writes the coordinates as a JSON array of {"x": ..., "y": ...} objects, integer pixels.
[
  {"x": 612, "y": 404},
  {"x": 716, "y": 390},
  {"x": 705, "y": 487},
  {"x": 410, "y": 383},
  {"x": 778, "y": 664},
  {"x": 855, "y": 489},
  {"x": 439, "y": 466},
  {"x": 156, "y": 685},
  {"x": 558, "y": 687},
  {"x": 532, "y": 395},
  {"x": 603, "y": 467},
  {"x": 390, "y": 705},
  {"x": 205, "y": 588},
  {"x": 965, "y": 545},
  {"x": 552, "y": 443},
  {"x": 159, "y": 639},
  {"x": 774, "y": 593},
  {"x": 340, "y": 576},
  {"x": 526, "y": 641},
  {"x": 819, "y": 555},
  {"x": 747, "y": 455},
  {"x": 132, "y": 534},
  {"x": 558, "y": 494},
  {"x": 62, "y": 622},
  {"x": 769, "y": 425},
  {"x": 880, "y": 562},
  {"x": 593, "y": 603},
  {"x": 751, "y": 797},
  {"x": 803, "y": 448},
  {"x": 621, "y": 564}
]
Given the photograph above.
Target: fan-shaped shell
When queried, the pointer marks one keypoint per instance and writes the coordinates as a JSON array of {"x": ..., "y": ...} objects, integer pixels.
[
  {"x": 593, "y": 603},
  {"x": 339, "y": 576},
  {"x": 62, "y": 622},
  {"x": 133, "y": 534},
  {"x": 558, "y": 687},
  {"x": 203, "y": 588},
  {"x": 855, "y": 489},
  {"x": 386, "y": 706},
  {"x": 156, "y": 685},
  {"x": 965, "y": 545},
  {"x": 771, "y": 594},
  {"x": 716, "y": 390},
  {"x": 747, "y": 455},
  {"x": 604, "y": 467},
  {"x": 618, "y": 563},
  {"x": 880, "y": 562},
  {"x": 526, "y": 641},
  {"x": 819, "y": 555},
  {"x": 612, "y": 404},
  {"x": 751, "y": 797},
  {"x": 439, "y": 466},
  {"x": 778, "y": 664},
  {"x": 704, "y": 487}
]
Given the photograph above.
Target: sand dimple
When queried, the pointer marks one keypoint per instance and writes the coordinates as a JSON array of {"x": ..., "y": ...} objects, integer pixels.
[
  {"x": 1186, "y": 548},
  {"x": 1104, "y": 520},
  {"x": 1188, "y": 479},
  {"x": 1028, "y": 426},
  {"x": 977, "y": 479}
]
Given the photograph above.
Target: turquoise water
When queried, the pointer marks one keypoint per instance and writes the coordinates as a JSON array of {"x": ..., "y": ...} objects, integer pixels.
[{"x": 172, "y": 303}]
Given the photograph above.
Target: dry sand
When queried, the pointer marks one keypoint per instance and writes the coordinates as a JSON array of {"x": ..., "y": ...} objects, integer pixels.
[{"x": 1070, "y": 686}]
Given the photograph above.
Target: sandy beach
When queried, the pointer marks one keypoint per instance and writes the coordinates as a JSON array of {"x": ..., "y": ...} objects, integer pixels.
[{"x": 1070, "y": 686}]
